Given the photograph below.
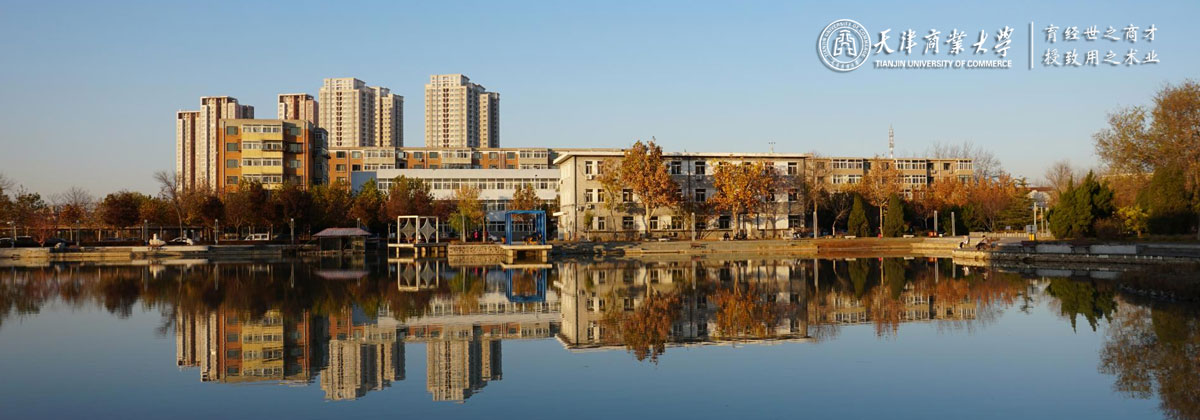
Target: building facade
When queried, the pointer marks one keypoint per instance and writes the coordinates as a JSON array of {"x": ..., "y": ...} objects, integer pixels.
[
  {"x": 271, "y": 152},
  {"x": 460, "y": 114},
  {"x": 355, "y": 115},
  {"x": 345, "y": 161},
  {"x": 298, "y": 106},
  {"x": 196, "y": 142},
  {"x": 585, "y": 212}
]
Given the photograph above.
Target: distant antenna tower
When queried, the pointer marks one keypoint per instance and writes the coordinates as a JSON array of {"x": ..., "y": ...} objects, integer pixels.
[
  {"x": 772, "y": 146},
  {"x": 891, "y": 143}
]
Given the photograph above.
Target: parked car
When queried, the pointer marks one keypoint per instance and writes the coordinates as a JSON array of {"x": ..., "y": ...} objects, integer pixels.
[
  {"x": 258, "y": 237},
  {"x": 181, "y": 241}
]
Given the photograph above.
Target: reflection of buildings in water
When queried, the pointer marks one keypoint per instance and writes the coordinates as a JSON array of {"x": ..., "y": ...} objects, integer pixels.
[
  {"x": 461, "y": 363},
  {"x": 364, "y": 354},
  {"x": 592, "y": 291},
  {"x": 228, "y": 347}
]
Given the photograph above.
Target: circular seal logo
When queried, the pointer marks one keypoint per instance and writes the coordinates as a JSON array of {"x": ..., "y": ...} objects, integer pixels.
[{"x": 844, "y": 45}]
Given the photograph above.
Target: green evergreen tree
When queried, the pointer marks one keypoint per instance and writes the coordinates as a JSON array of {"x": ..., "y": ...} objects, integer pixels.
[
  {"x": 1167, "y": 201},
  {"x": 1079, "y": 207},
  {"x": 858, "y": 225},
  {"x": 894, "y": 223}
]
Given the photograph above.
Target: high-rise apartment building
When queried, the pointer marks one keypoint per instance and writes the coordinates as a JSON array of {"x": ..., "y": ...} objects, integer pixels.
[
  {"x": 459, "y": 113},
  {"x": 356, "y": 115},
  {"x": 196, "y": 143},
  {"x": 297, "y": 106}
]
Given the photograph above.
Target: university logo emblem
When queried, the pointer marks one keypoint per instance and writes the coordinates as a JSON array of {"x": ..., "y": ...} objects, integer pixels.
[{"x": 844, "y": 45}]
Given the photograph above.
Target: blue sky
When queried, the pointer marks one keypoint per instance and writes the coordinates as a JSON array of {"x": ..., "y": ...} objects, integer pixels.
[{"x": 90, "y": 89}]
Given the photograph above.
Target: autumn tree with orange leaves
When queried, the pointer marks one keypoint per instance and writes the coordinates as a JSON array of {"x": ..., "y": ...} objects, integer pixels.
[
  {"x": 742, "y": 188},
  {"x": 645, "y": 173}
]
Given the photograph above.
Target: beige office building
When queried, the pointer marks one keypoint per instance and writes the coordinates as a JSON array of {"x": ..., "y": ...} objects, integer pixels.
[
  {"x": 196, "y": 143},
  {"x": 357, "y": 115},
  {"x": 459, "y": 113}
]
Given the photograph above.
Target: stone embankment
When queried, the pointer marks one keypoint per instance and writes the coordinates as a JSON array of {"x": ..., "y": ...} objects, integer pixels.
[
  {"x": 778, "y": 247},
  {"x": 1084, "y": 253},
  {"x": 116, "y": 254}
]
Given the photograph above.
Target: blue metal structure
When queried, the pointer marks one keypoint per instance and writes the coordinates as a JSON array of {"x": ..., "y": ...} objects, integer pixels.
[
  {"x": 539, "y": 225},
  {"x": 539, "y": 276}
]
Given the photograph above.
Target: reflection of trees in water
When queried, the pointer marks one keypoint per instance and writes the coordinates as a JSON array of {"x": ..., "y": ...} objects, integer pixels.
[
  {"x": 1088, "y": 298},
  {"x": 742, "y": 312},
  {"x": 1156, "y": 348}
]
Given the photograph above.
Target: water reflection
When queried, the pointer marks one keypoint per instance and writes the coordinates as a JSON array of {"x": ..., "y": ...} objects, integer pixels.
[{"x": 346, "y": 324}]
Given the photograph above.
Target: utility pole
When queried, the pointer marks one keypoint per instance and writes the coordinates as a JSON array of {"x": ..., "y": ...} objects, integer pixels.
[
  {"x": 292, "y": 225},
  {"x": 935, "y": 230}
]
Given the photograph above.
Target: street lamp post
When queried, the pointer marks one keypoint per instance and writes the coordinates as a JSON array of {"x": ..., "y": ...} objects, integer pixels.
[
  {"x": 953, "y": 225},
  {"x": 145, "y": 226},
  {"x": 77, "y": 234},
  {"x": 217, "y": 231},
  {"x": 14, "y": 237},
  {"x": 292, "y": 225},
  {"x": 935, "y": 230}
]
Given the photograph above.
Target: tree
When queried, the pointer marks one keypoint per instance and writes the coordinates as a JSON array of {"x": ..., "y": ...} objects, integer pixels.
[
  {"x": 880, "y": 183},
  {"x": 468, "y": 214},
  {"x": 858, "y": 225},
  {"x": 984, "y": 162},
  {"x": 989, "y": 197},
  {"x": 155, "y": 211},
  {"x": 331, "y": 203},
  {"x": 76, "y": 204},
  {"x": 524, "y": 198},
  {"x": 742, "y": 188},
  {"x": 1167, "y": 201},
  {"x": 367, "y": 205},
  {"x": 170, "y": 190},
  {"x": 1135, "y": 219},
  {"x": 121, "y": 209},
  {"x": 1139, "y": 140},
  {"x": 839, "y": 203},
  {"x": 645, "y": 173},
  {"x": 1058, "y": 177},
  {"x": 247, "y": 205},
  {"x": 894, "y": 225},
  {"x": 408, "y": 197},
  {"x": 292, "y": 202},
  {"x": 1079, "y": 207}
]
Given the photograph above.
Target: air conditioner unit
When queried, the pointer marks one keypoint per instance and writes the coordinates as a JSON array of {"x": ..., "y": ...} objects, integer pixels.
[
  {"x": 591, "y": 177},
  {"x": 591, "y": 206}
]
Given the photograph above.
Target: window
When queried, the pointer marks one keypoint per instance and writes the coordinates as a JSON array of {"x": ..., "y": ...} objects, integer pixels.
[
  {"x": 587, "y": 195},
  {"x": 654, "y": 223},
  {"x": 676, "y": 223},
  {"x": 355, "y": 155},
  {"x": 795, "y": 221},
  {"x": 676, "y": 167},
  {"x": 946, "y": 166},
  {"x": 701, "y": 195},
  {"x": 792, "y": 168},
  {"x": 294, "y": 164},
  {"x": 699, "y": 169},
  {"x": 231, "y": 131},
  {"x": 231, "y": 338},
  {"x": 723, "y": 222},
  {"x": 231, "y": 180},
  {"x": 231, "y": 163},
  {"x": 626, "y": 195},
  {"x": 793, "y": 195},
  {"x": 341, "y": 167},
  {"x": 233, "y": 147},
  {"x": 340, "y": 154},
  {"x": 355, "y": 168},
  {"x": 599, "y": 195},
  {"x": 600, "y": 223},
  {"x": 433, "y": 155},
  {"x": 627, "y": 223},
  {"x": 588, "y": 167}
]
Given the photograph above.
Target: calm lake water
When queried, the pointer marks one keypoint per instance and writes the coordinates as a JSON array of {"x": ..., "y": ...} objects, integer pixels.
[{"x": 867, "y": 337}]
